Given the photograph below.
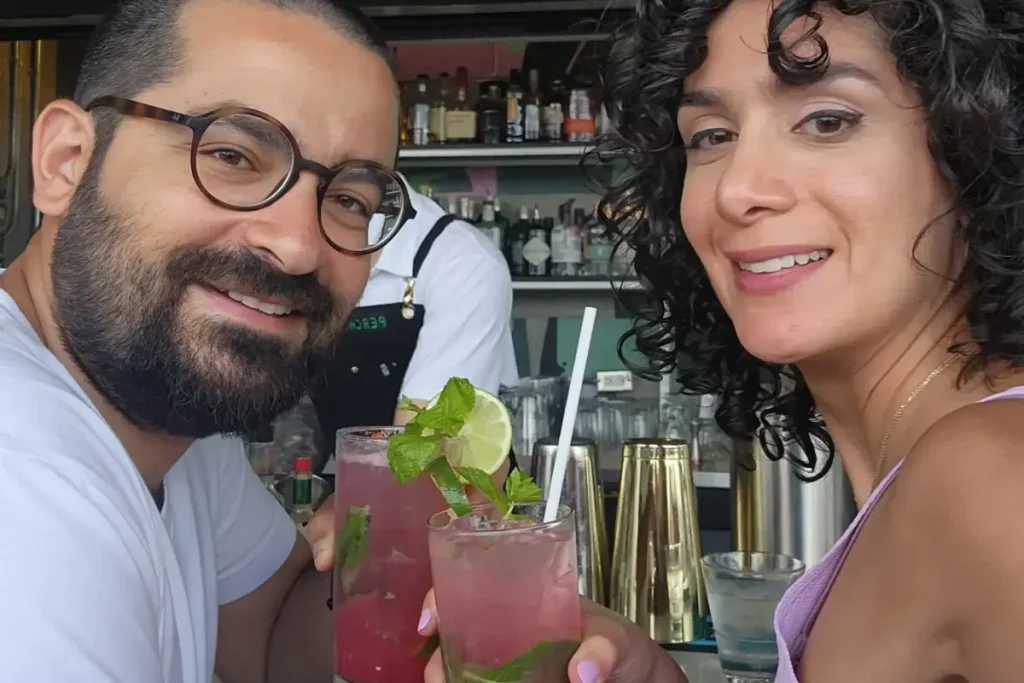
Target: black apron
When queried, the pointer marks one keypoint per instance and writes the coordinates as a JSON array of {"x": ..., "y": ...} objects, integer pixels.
[{"x": 362, "y": 384}]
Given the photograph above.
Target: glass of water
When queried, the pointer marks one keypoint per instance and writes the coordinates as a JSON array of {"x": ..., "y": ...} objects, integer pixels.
[{"x": 744, "y": 589}]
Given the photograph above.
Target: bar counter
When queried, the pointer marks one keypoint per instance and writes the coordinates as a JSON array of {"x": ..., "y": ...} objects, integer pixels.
[{"x": 700, "y": 667}]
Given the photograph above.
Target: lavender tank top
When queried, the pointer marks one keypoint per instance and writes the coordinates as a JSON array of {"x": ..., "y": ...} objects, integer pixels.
[{"x": 799, "y": 607}]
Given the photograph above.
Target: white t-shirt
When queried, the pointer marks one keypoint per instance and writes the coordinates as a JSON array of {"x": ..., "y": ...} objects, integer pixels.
[
  {"x": 96, "y": 584},
  {"x": 466, "y": 289}
]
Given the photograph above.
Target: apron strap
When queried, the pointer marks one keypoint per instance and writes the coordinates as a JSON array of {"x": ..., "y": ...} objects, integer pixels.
[
  {"x": 408, "y": 306},
  {"x": 428, "y": 242}
]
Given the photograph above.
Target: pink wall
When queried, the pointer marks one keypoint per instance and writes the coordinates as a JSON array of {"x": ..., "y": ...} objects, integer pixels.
[{"x": 483, "y": 60}]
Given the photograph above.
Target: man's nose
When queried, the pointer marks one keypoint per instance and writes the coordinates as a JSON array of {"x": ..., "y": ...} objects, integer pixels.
[{"x": 288, "y": 231}]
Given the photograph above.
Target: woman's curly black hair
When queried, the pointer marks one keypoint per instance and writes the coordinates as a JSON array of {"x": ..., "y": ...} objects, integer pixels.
[{"x": 965, "y": 59}]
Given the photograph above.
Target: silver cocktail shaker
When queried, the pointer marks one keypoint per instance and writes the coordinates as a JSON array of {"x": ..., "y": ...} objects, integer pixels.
[{"x": 583, "y": 493}]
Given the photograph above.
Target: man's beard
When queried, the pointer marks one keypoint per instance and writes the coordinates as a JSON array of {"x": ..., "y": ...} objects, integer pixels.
[{"x": 120, "y": 317}]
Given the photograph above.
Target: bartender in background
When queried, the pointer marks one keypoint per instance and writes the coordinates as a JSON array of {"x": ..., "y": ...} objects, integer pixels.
[{"x": 438, "y": 304}]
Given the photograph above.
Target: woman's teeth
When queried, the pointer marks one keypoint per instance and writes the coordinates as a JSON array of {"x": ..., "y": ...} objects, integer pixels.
[{"x": 778, "y": 263}]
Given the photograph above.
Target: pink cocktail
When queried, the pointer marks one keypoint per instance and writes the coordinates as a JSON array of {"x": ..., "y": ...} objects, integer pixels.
[
  {"x": 507, "y": 594},
  {"x": 382, "y": 564}
]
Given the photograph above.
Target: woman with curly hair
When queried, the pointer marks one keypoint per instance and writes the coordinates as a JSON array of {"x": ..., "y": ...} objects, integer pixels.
[{"x": 826, "y": 201}]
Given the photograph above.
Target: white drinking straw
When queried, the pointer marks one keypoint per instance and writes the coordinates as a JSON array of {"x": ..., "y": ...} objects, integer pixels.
[{"x": 572, "y": 404}]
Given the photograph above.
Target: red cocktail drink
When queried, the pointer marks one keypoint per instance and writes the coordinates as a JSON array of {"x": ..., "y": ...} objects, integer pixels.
[{"x": 382, "y": 564}]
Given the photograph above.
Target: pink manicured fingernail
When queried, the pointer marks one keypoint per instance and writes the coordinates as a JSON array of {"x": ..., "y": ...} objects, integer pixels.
[
  {"x": 424, "y": 620},
  {"x": 588, "y": 671}
]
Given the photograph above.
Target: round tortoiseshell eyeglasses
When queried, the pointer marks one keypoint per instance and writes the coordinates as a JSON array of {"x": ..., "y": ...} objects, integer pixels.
[{"x": 245, "y": 160}]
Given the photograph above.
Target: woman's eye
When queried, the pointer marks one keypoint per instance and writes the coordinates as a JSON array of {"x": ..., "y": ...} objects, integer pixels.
[
  {"x": 827, "y": 124},
  {"x": 706, "y": 139}
]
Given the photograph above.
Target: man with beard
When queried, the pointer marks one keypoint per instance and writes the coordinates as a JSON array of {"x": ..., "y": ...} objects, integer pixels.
[{"x": 206, "y": 201}]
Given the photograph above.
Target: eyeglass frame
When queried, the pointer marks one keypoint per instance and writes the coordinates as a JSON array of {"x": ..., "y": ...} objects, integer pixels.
[{"x": 200, "y": 123}]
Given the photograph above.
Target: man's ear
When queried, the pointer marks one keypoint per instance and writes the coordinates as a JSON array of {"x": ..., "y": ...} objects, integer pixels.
[{"x": 63, "y": 139}]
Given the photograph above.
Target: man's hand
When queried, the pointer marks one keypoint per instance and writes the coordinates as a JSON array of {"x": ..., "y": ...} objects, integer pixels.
[
  {"x": 319, "y": 531},
  {"x": 613, "y": 650}
]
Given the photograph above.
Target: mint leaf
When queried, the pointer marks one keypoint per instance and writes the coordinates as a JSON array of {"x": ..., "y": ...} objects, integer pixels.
[
  {"x": 405, "y": 403},
  {"x": 453, "y": 406},
  {"x": 449, "y": 486},
  {"x": 457, "y": 398},
  {"x": 547, "y": 659},
  {"x": 522, "y": 489},
  {"x": 483, "y": 483},
  {"x": 410, "y": 453},
  {"x": 351, "y": 543},
  {"x": 438, "y": 421}
]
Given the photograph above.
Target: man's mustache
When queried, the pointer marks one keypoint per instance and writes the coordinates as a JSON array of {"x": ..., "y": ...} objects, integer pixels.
[{"x": 245, "y": 272}]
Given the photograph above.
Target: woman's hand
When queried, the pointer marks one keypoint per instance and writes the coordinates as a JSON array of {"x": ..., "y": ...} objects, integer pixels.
[{"x": 613, "y": 650}]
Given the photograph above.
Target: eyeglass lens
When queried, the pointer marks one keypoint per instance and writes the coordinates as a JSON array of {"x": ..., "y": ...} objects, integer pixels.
[{"x": 242, "y": 160}]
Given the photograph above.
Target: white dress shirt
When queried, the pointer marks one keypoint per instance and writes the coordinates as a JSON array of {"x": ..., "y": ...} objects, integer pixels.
[{"x": 466, "y": 289}]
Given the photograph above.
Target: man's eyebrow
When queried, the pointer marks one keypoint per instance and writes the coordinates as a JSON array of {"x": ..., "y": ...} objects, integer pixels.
[
  {"x": 712, "y": 97},
  {"x": 209, "y": 108},
  {"x": 259, "y": 131}
]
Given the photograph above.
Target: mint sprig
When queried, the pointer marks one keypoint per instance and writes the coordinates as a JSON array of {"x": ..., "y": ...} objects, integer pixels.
[
  {"x": 351, "y": 543},
  {"x": 546, "y": 658},
  {"x": 420, "y": 448},
  {"x": 448, "y": 484},
  {"x": 523, "y": 489},
  {"x": 410, "y": 453}
]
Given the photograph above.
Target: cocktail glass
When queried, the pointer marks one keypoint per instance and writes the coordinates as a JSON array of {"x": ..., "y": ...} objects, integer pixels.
[
  {"x": 744, "y": 588},
  {"x": 382, "y": 564},
  {"x": 507, "y": 594}
]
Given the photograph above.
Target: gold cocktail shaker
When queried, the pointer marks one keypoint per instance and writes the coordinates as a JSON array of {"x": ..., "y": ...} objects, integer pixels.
[{"x": 656, "y": 579}]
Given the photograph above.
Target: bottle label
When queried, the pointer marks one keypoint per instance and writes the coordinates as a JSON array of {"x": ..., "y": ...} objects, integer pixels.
[
  {"x": 553, "y": 122},
  {"x": 566, "y": 244},
  {"x": 419, "y": 124},
  {"x": 580, "y": 127},
  {"x": 303, "y": 491},
  {"x": 598, "y": 251},
  {"x": 493, "y": 232},
  {"x": 437, "y": 124},
  {"x": 531, "y": 122},
  {"x": 536, "y": 251},
  {"x": 513, "y": 120},
  {"x": 460, "y": 125},
  {"x": 516, "y": 256}
]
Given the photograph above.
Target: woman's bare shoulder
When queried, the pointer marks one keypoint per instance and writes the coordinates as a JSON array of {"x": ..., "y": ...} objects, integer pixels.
[{"x": 961, "y": 495}]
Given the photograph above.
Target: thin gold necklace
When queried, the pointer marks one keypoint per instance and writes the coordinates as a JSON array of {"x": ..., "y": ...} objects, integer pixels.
[{"x": 884, "y": 448}]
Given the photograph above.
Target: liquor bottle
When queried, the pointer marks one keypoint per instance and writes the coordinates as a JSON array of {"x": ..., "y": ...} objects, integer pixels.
[
  {"x": 553, "y": 118},
  {"x": 489, "y": 226},
  {"x": 537, "y": 250},
  {"x": 302, "y": 490},
  {"x": 598, "y": 250},
  {"x": 514, "y": 109},
  {"x": 516, "y": 239},
  {"x": 491, "y": 116},
  {"x": 466, "y": 210},
  {"x": 566, "y": 244},
  {"x": 499, "y": 218},
  {"x": 533, "y": 104},
  {"x": 419, "y": 113},
  {"x": 580, "y": 125},
  {"x": 460, "y": 119},
  {"x": 439, "y": 110}
]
